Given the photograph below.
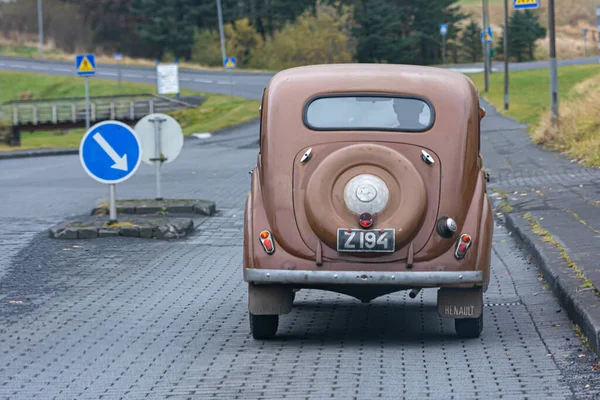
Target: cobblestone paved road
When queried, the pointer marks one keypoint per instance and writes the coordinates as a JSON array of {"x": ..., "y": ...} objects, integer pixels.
[{"x": 136, "y": 319}]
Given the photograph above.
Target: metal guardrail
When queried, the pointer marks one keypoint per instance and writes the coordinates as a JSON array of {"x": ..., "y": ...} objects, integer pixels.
[{"x": 72, "y": 110}]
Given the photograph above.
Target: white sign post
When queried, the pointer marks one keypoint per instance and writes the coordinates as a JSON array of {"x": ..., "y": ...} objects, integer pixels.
[
  {"x": 167, "y": 78},
  {"x": 161, "y": 140}
]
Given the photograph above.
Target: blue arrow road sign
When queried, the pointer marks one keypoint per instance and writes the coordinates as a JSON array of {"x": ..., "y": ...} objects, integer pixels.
[
  {"x": 85, "y": 64},
  {"x": 110, "y": 152},
  {"x": 443, "y": 29},
  {"x": 526, "y": 4}
]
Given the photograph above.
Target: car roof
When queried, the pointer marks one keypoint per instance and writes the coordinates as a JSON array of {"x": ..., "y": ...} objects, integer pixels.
[{"x": 386, "y": 78}]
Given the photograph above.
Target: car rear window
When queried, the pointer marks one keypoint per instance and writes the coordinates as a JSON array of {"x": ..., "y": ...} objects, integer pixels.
[{"x": 369, "y": 112}]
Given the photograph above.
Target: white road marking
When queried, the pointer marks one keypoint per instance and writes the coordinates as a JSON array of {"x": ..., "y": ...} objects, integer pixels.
[
  {"x": 203, "y": 80},
  {"x": 204, "y": 135}
]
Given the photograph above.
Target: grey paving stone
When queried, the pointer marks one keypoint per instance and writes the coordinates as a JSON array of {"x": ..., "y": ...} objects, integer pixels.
[{"x": 154, "y": 319}]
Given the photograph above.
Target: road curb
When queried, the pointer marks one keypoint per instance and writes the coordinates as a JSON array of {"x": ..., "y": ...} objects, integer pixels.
[
  {"x": 582, "y": 306},
  {"x": 7, "y": 155}
]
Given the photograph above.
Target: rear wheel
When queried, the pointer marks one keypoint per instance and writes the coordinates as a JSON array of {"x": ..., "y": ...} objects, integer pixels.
[
  {"x": 263, "y": 326},
  {"x": 469, "y": 328}
]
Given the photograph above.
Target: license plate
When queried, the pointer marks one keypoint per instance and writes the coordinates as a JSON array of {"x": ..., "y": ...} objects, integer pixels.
[{"x": 360, "y": 240}]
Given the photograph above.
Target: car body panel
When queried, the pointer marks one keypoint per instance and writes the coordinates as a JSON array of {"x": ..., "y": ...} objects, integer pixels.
[{"x": 454, "y": 185}]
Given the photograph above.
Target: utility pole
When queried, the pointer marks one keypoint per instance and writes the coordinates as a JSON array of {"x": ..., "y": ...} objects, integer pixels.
[
  {"x": 41, "y": 27},
  {"x": 506, "y": 99},
  {"x": 220, "y": 15},
  {"x": 553, "y": 65},
  {"x": 598, "y": 25},
  {"x": 486, "y": 46}
]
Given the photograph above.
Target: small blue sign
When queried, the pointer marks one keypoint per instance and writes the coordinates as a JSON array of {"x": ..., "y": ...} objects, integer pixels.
[
  {"x": 526, "y": 4},
  {"x": 443, "y": 29},
  {"x": 118, "y": 56},
  {"x": 230, "y": 63},
  {"x": 487, "y": 36},
  {"x": 110, "y": 152},
  {"x": 85, "y": 64}
]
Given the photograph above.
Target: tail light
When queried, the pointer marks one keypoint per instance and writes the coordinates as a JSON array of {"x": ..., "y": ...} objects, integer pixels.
[
  {"x": 267, "y": 242},
  {"x": 462, "y": 246}
]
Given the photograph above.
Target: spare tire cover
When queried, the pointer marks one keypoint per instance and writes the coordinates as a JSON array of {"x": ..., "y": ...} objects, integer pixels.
[{"x": 403, "y": 210}]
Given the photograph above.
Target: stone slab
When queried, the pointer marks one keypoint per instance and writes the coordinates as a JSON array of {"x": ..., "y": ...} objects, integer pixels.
[{"x": 154, "y": 227}]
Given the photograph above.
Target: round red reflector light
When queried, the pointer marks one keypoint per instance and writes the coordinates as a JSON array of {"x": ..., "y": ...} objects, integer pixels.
[
  {"x": 365, "y": 220},
  {"x": 264, "y": 234},
  {"x": 466, "y": 239},
  {"x": 268, "y": 245},
  {"x": 462, "y": 248}
]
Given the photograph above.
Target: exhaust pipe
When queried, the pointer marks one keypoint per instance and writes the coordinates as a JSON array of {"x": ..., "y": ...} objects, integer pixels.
[{"x": 414, "y": 293}]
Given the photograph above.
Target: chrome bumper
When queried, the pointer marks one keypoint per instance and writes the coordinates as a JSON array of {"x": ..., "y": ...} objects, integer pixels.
[{"x": 411, "y": 279}]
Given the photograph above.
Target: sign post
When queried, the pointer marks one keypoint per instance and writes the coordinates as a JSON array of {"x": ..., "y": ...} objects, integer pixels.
[
  {"x": 85, "y": 65},
  {"x": 553, "y": 63},
  {"x": 584, "y": 32},
  {"x": 230, "y": 64},
  {"x": 110, "y": 153},
  {"x": 157, "y": 155},
  {"x": 506, "y": 66},
  {"x": 443, "y": 32},
  {"x": 486, "y": 48},
  {"x": 161, "y": 139},
  {"x": 118, "y": 57}
]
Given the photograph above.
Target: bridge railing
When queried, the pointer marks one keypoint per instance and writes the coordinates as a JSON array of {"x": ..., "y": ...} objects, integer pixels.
[{"x": 72, "y": 110}]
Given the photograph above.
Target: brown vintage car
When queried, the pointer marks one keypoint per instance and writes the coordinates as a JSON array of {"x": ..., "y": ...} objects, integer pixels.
[{"x": 368, "y": 181}]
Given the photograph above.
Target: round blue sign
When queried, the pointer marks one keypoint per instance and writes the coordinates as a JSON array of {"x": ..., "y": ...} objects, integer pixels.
[{"x": 110, "y": 152}]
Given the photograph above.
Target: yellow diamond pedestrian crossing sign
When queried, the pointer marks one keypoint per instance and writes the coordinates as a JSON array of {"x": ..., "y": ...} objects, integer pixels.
[{"x": 85, "y": 64}]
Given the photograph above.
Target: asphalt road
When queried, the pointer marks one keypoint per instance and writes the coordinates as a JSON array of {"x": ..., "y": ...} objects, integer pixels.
[
  {"x": 243, "y": 84},
  {"x": 129, "y": 319}
]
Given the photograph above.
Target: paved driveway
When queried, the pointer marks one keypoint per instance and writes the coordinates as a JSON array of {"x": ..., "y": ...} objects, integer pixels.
[{"x": 133, "y": 319}]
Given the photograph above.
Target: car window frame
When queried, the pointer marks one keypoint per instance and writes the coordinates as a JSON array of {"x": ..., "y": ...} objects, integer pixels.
[{"x": 367, "y": 94}]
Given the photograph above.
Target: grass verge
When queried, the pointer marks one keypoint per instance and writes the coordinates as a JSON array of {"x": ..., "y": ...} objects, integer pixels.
[
  {"x": 578, "y": 131},
  {"x": 217, "y": 112},
  {"x": 530, "y": 90}
]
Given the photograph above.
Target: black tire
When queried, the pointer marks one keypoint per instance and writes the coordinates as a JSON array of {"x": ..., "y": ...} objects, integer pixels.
[
  {"x": 469, "y": 328},
  {"x": 263, "y": 326}
]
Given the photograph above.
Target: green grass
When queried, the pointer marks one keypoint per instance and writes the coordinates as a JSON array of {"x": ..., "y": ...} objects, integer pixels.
[
  {"x": 530, "y": 90},
  {"x": 218, "y": 111},
  {"x": 25, "y": 50}
]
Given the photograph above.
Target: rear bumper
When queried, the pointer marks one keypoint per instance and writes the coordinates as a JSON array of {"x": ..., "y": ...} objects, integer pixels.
[{"x": 406, "y": 279}]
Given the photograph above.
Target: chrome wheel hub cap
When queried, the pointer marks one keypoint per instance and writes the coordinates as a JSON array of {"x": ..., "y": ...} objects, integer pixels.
[{"x": 366, "y": 193}]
